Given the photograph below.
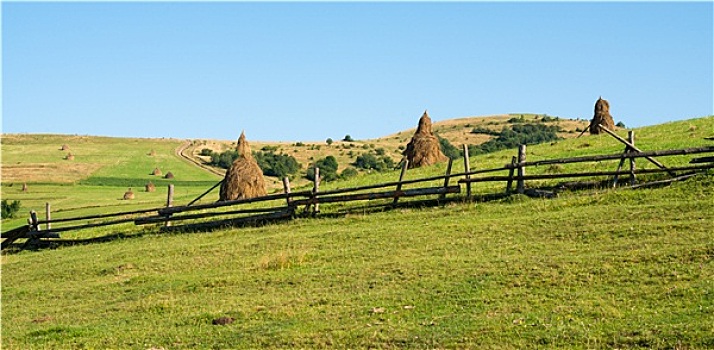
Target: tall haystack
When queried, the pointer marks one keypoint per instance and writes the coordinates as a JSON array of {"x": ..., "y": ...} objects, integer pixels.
[
  {"x": 602, "y": 116},
  {"x": 169, "y": 175},
  {"x": 152, "y": 153},
  {"x": 156, "y": 172},
  {"x": 129, "y": 194},
  {"x": 244, "y": 179},
  {"x": 424, "y": 148},
  {"x": 69, "y": 156},
  {"x": 64, "y": 148},
  {"x": 150, "y": 187}
]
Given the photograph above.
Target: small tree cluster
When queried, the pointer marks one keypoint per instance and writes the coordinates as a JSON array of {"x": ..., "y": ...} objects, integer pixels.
[
  {"x": 369, "y": 161},
  {"x": 279, "y": 165},
  {"x": 518, "y": 134},
  {"x": 9, "y": 209},
  {"x": 328, "y": 169}
]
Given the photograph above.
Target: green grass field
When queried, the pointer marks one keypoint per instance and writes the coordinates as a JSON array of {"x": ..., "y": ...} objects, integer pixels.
[{"x": 590, "y": 269}]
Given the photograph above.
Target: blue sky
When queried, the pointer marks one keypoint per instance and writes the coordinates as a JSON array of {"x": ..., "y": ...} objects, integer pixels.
[{"x": 309, "y": 71}]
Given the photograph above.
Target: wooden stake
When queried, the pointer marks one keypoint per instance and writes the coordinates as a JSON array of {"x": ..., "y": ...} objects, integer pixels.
[
  {"x": 170, "y": 201},
  {"x": 521, "y": 184},
  {"x": 617, "y": 137},
  {"x": 467, "y": 170},
  {"x": 631, "y": 138},
  {"x": 405, "y": 165},
  {"x": 315, "y": 189},
  {"x": 509, "y": 184},
  {"x": 286, "y": 188},
  {"x": 48, "y": 216},
  {"x": 447, "y": 178}
]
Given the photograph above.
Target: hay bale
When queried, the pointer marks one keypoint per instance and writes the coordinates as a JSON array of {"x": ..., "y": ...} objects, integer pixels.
[
  {"x": 424, "y": 148},
  {"x": 64, "y": 148},
  {"x": 244, "y": 179},
  {"x": 69, "y": 156},
  {"x": 150, "y": 187},
  {"x": 601, "y": 116},
  {"x": 152, "y": 153},
  {"x": 169, "y": 175},
  {"x": 129, "y": 194},
  {"x": 156, "y": 172}
]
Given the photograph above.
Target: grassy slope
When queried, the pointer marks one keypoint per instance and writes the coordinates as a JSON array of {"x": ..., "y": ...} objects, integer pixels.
[{"x": 595, "y": 269}]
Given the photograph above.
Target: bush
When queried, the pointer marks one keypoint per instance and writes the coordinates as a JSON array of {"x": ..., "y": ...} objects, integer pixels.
[
  {"x": 328, "y": 169},
  {"x": 620, "y": 125},
  {"x": 224, "y": 160},
  {"x": 519, "y": 134},
  {"x": 348, "y": 173},
  {"x": 329, "y": 141},
  {"x": 206, "y": 152},
  {"x": 485, "y": 131},
  {"x": 370, "y": 161},
  {"x": 448, "y": 149},
  {"x": 9, "y": 209},
  {"x": 280, "y": 165},
  {"x": 348, "y": 138}
]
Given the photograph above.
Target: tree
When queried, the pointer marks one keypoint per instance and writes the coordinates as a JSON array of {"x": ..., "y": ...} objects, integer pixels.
[
  {"x": 348, "y": 138},
  {"x": 329, "y": 141},
  {"x": 448, "y": 149},
  {"x": 620, "y": 125}
]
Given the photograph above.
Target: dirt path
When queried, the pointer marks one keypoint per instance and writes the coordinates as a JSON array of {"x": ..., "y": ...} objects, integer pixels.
[{"x": 185, "y": 152}]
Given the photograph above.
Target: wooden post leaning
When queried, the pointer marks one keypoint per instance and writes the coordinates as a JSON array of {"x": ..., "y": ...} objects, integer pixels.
[
  {"x": 521, "y": 183},
  {"x": 169, "y": 202},
  {"x": 467, "y": 170},
  {"x": 405, "y": 165},
  {"x": 631, "y": 138},
  {"x": 509, "y": 183},
  {"x": 447, "y": 177},
  {"x": 652, "y": 160}
]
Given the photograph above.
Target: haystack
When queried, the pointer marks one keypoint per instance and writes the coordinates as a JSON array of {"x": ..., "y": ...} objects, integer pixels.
[
  {"x": 152, "y": 153},
  {"x": 129, "y": 194},
  {"x": 64, "y": 148},
  {"x": 156, "y": 172},
  {"x": 150, "y": 187},
  {"x": 169, "y": 175},
  {"x": 244, "y": 179},
  {"x": 424, "y": 148},
  {"x": 602, "y": 116},
  {"x": 69, "y": 156}
]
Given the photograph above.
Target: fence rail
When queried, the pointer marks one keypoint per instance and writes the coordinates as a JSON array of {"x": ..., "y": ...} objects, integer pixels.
[{"x": 291, "y": 201}]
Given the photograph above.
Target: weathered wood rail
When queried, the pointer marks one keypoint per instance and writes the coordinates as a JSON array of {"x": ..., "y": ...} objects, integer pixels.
[{"x": 285, "y": 205}]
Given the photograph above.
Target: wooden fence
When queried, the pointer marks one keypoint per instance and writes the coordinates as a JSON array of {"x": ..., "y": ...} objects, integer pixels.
[{"x": 287, "y": 205}]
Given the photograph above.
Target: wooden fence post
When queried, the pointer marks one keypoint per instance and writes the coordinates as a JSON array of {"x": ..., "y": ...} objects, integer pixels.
[
  {"x": 509, "y": 184},
  {"x": 286, "y": 188},
  {"x": 169, "y": 202},
  {"x": 315, "y": 189},
  {"x": 33, "y": 221},
  {"x": 521, "y": 183},
  {"x": 467, "y": 170},
  {"x": 447, "y": 178},
  {"x": 631, "y": 138},
  {"x": 48, "y": 216},
  {"x": 405, "y": 165}
]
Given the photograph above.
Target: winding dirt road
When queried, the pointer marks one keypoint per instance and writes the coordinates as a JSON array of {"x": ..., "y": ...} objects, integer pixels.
[{"x": 185, "y": 152}]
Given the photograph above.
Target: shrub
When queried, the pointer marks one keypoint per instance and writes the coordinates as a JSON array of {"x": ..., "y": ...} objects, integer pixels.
[
  {"x": 348, "y": 173},
  {"x": 224, "y": 160},
  {"x": 380, "y": 151},
  {"x": 448, "y": 149},
  {"x": 206, "y": 152},
  {"x": 9, "y": 209},
  {"x": 348, "y": 138},
  {"x": 329, "y": 141},
  {"x": 517, "y": 135},
  {"x": 485, "y": 131},
  {"x": 328, "y": 169},
  {"x": 370, "y": 161},
  {"x": 620, "y": 125},
  {"x": 280, "y": 165}
]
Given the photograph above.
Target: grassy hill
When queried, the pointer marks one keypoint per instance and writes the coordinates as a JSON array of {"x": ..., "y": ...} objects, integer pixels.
[{"x": 590, "y": 269}]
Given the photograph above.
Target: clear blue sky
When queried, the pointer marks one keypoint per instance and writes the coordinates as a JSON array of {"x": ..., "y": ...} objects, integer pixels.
[{"x": 309, "y": 71}]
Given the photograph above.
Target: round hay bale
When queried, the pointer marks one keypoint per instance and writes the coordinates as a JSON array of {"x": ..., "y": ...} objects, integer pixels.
[
  {"x": 169, "y": 175},
  {"x": 244, "y": 179},
  {"x": 601, "y": 116},
  {"x": 64, "y": 148},
  {"x": 129, "y": 194},
  {"x": 69, "y": 156},
  {"x": 156, "y": 172},
  {"x": 424, "y": 148},
  {"x": 150, "y": 187}
]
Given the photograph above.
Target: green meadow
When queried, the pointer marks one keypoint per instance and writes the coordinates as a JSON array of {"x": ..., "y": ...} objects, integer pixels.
[{"x": 600, "y": 268}]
